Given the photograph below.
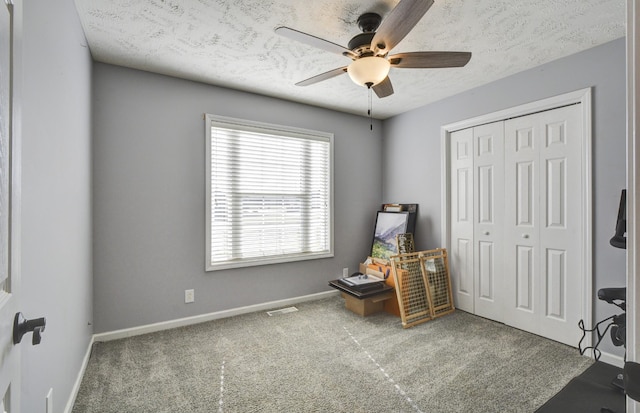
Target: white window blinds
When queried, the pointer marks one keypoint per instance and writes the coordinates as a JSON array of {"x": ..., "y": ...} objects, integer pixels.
[{"x": 269, "y": 195}]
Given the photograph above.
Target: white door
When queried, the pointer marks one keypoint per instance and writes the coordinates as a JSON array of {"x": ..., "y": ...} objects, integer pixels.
[
  {"x": 543, "y": 234},
  {"x": 522, "y": 240},
  {"x": 477, "y": 186},
  {"x": 516, "y": 213},
  {"x": 488, "y": 220},
  {"x": 9, "y": 283},
  {"x": 461, "y": 254}
]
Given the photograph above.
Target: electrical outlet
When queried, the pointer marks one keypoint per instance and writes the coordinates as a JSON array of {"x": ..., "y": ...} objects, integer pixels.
[
  {"x": 49, "y": 401},
  {"x": 189, "y": 296},
  {"x": 345, "y": 272}
]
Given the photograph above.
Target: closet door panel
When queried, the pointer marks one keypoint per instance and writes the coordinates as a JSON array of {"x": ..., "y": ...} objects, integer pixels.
[
  {"x": 488, "y": 215},
  {"x": 524, "y": 279},
  {"x": 561, "y": 231},
  {"x": 463, "y": 253},
  {"x": 486, "y": 264},
  {"x": 521, "y": 163},
  {"x": 543, "y": 213},
  {"x": 556, "y": 193},
  {"x": 556, "y": 273},
  {"x": 524, "y": 208},
  {"x": 461, "y": 256}
]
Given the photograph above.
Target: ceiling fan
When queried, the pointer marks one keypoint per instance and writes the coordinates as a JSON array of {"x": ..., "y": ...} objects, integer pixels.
[{"x": 369, "y": 50}]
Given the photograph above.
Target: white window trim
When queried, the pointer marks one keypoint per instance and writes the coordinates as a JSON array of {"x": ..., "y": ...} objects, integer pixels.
[{"x": 283, "y": 131}]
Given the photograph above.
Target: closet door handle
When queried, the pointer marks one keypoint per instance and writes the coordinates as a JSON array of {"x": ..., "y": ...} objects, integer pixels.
[
  {"x": 525, "y": 236},
  {"x": 22, "y": 326},
  {"x": 486, "y": 233}
]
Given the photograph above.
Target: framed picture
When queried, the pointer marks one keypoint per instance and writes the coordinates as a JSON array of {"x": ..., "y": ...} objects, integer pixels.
[
  {"x": 392, "y": 208},
  {"x": 388, "y": 225}
]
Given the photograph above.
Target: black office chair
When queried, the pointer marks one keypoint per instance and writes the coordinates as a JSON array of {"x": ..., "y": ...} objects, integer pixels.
[
  {"x": 619, "y": 239},
  {"x": 629, "y": 380},
  {"x": 631, "y": 370},
  {"x": 616, "y": 296}
]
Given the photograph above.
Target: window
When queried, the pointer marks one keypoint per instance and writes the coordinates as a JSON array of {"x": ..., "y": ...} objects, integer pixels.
[{"x": 269, "y": 193}]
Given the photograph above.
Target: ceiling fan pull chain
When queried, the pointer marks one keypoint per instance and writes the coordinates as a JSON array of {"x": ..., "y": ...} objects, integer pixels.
[{"x": 369, "y": 111}]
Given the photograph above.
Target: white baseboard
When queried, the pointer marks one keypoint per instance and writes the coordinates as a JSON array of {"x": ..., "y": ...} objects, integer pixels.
[
  {"x": 181, "y": 322},
  {"x": 612, "y": 359},
  {"x": 78, "y": 382},
  {"x": 605, "y": 357}
]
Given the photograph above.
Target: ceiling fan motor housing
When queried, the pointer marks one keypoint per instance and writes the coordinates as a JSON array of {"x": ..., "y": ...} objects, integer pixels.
[
  {"x": 361, "y": 42},
  {"x": 368, "y": 23}
]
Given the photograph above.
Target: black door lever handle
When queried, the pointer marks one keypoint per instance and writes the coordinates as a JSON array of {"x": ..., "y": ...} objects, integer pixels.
[
  {"x": 37, "y": 335},
  {"x": 22, "y": 326}
]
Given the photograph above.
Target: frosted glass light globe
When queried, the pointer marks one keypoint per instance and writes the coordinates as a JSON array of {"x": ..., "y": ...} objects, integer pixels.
[{"x": 369, "y": 71}]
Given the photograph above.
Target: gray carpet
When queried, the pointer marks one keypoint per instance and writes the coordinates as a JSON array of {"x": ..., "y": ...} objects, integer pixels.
[{"x": 324, "y": 358}]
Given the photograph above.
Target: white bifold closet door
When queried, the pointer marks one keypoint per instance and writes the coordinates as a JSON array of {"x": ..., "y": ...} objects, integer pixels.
[
  {"x": 462, "y": 219},
  {"x": 543, "y": 215},
  {"x": 489, "y": 220},
  {"x": 516, "y": 222},
  {"x": 478, "y": 219}
]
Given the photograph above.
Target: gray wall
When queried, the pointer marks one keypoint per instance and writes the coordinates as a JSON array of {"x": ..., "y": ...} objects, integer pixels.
[
  {"x": 414, "y": 138},
  {"x": 149, "y": 199},
  {"x": 56, "y": 199}
]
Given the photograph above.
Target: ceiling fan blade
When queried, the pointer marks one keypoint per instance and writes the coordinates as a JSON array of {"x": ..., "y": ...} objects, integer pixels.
[
  {"x": 398, "y": 24},
  {"x": 322, "y": 76},
  {"x": 314, "y": 41},
  {"x": 384, "y": 88},
  {"x": 426, "y": 60}
]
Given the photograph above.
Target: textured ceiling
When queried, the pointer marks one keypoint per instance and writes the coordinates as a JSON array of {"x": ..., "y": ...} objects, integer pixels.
[{"x": 232, "y": 43}]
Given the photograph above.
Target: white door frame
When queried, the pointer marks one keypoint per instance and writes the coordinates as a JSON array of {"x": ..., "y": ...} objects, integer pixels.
[
  {"x": 633, "y": 187},
  {"x": 582, "y": 96},
  {"x": 9, "y": 301}
]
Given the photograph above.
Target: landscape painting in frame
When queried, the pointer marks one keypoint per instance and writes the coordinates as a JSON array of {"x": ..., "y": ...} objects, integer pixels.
[{"x": 388, "y": 225}]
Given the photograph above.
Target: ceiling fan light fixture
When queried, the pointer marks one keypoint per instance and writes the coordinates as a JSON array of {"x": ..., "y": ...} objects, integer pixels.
[{"x": 369, "y": 71}]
